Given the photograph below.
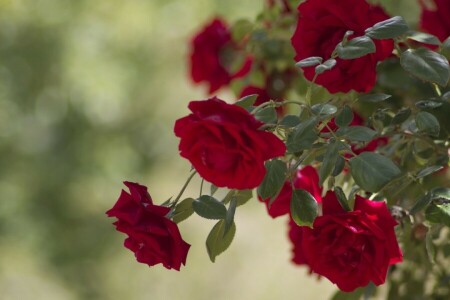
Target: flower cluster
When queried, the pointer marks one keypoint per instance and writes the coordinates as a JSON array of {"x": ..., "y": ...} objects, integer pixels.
[{"x": 343, "y": 165}]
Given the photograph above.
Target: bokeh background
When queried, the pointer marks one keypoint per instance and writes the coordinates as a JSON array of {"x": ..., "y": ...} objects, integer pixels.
[{"x": 89, "y": 92}]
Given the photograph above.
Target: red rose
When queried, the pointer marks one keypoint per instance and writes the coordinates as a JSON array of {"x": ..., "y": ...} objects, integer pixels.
[
  {"x": 322, "y": 25},
  {"x": 435, "y": 19},
  {"x": 351, "y": 248},
  {"x": 209, "y": 51},
  {"x": 306, "y": 179},
  {"x": 359, "y": 121},
  {"x": 152, "y": 237},
  {"x": 224, "y": 144}
]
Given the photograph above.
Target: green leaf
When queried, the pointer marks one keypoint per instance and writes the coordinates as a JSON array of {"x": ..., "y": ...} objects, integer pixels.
[
  {"x": 446, "y": 96},
  {"x": 242, "y": 196},
  {"x": 356, "y": 133},
  {"x": 423, "y": 201},
  {"x": 274, "y": 179},
  {"x": 345, "y": 117},
  {"x": 247, "y": 101},
  {"x": 304, "y": 208},
  {"x": 240, "y": 29},
  {"x": 209, "y": 208},
  {"x": 341, "y": 198},
  {"x": 355, "y": 295},
  {"x": 427, "y": 123},
  {"x": 429, "y": 104},
  {"x": 438, "y": 212},
  {"x": 217, "y": 242},
  {"x": 267, "y": 115},
  {"x": 309, "y": 62},
  {"x": 339, "y": 167},
  {"x": 373, "y": 171},
  {"x": 425, "y": 38},
  {"x": 347, "y": 34},
  {"x": 445, "y": 47},
  {"x": 229, "y": 219},
  {"x": 428, "y": 170},
  {"x": 401, "y": 116},
  {"x": 327, "y": 65},
  {"x": 183, "y": 210},
  {"x": 379, "y": 97},
  {"x": 388, "y": 29},
  {"x": 430, "y": 247},
  {"x": 329, "y": 161},
  {"x": 356, "y": 48},
  {"x": 323, "y": 109},
  {"x": 213, "y": 189},
  {"x": 441, "y": 193},
  {"x": 426, "y": 65},
  {"x": 303, "y": 136},
  {"x": 290, "y": 121},
  {"x": 355, "y": 189}
]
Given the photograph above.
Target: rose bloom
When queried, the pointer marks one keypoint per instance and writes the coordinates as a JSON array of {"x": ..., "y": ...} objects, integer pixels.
[
  {"x": 349, "y": 248},
  {"x": 306, "y": 179},
  {"x": 367, "y": 147},
  {"x": 209, "y": 53},
  {"x": 435, "y": 17},
  {"x": 224, "y": 144},
  {"x": 322, "y": 25},
  {"x": 152, "y": 236}
]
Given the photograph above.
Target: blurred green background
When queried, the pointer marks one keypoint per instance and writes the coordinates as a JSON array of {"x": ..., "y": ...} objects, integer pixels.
[{"x": 89, "y": 92}]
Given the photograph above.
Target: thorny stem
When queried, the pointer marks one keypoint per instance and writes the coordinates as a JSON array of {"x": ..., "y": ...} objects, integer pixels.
[
  {"x": 263, "y": 105},
  {"x": 201, "y": 187},
  {"x": 274, "y": 104},
  {"x": 293, "y": 102},
  {"x": 411, "y": 135},
  {"x": 337, "y": 139},
  {"x": 300, "y": 160},
  {"x": 184, "y": 188},
  {"x": 309, "y": 91},
  {"x": 394, "y": 181}
]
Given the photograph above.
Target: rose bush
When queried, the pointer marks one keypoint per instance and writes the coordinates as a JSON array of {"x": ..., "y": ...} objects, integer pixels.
[
  {"x": 225, "y": 145},
  {"x": 318, "y": 142},
  {"x": 350, "y": 248},
  {"x": 153, "y": 237},
  {"x": 322, "y": 24}
]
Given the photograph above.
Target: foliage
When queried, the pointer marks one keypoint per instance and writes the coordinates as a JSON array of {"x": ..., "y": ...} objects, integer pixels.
[{"x": 396, "y": 153}]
